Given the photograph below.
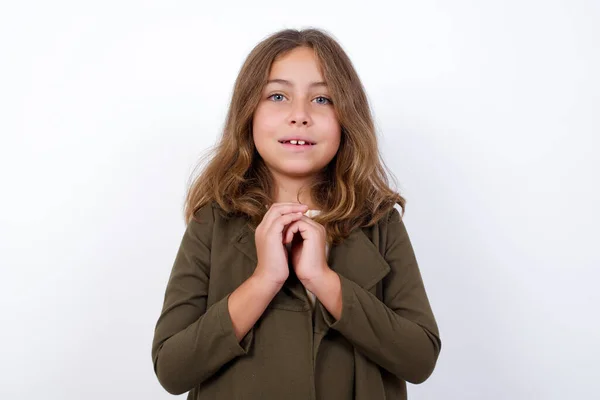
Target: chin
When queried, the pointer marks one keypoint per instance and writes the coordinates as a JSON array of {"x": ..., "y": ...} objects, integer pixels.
[
  {"x": 298, "y": 173},
  {"x": 298, "y": 170}
]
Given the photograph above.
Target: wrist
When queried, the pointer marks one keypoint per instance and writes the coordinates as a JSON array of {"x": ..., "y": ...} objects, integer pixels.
[
  {"x": 329, "y": 293},
  {"x": 322, "y": 282},
  {"x": 265, "y": 284}
]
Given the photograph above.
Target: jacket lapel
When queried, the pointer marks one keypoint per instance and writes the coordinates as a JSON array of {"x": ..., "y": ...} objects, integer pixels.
[
  {"x": 243, "y": 240},
  {"x": 357, "y": 259}
]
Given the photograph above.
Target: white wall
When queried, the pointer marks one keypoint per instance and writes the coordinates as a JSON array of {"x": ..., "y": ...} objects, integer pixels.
[{"x": 489, "y": 116}]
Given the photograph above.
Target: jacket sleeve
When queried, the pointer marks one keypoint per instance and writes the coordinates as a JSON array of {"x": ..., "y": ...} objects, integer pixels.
[
  {"x": 191, "y": 342},
  {"x": 399, "y": 333}
]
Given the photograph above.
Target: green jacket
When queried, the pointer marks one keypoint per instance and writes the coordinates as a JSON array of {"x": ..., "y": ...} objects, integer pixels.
[{"x": 386, "y": 336}]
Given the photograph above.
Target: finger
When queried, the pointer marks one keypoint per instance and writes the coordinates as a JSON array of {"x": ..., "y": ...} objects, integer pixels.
[
  {"x": 278, "y": 210},
  {"x": 282, "y": 221},
  {"x": 293, "y": 224},
  {"x": 291, "y": 229},
  {"x": 307, "y": 228},
  {"x": 309, "y": 221},
  {"x": 299, "y": 226},
  {"x": 282, "y": 207},
  {"x": 314, "y": 224},
  {"x": 285, "y": 232},
  {"x": 284, "y": 203}
]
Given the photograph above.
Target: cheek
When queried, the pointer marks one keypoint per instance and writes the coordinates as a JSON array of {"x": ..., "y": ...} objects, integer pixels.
[
  {"x": 264, "y": 129},
  {"x": 331, "y": 128},
  {"x": 265, "y": 120}
]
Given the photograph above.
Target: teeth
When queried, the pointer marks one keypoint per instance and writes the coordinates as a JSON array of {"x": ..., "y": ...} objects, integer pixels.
[{"x": 298, "y": 142}]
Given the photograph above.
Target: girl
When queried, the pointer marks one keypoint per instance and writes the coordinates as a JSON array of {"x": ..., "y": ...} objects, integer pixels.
[{"x": 295, "y": 278}]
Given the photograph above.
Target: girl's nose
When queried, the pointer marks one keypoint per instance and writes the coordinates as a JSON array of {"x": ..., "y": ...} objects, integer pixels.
[{"x": 299, "y": 115}]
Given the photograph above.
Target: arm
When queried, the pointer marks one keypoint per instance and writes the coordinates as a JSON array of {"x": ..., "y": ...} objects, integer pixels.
[
  {"x": 248, "y": 302},
  {"x": 399, "y": 334},
  {"x": 192, "y": 342}
]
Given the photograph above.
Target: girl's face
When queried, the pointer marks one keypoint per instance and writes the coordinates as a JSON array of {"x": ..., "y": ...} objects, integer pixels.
[{"x": 295, "y": 105}]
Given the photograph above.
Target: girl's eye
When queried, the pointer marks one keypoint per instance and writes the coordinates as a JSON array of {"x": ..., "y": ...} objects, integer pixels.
[
  {"x": 323, "y": 100},
  {"x": 276, "y": 97}
]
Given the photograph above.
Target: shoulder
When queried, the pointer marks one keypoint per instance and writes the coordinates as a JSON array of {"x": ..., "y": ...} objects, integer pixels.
[
  {"x": 212, "y": 222},
  {"x": 203, "y": 215},
  {"x": 389, "y": 217},
  {"x": 393, "y": 215},
  {"x": 200, "y": 227},
  {"x": 391, "y": 229},
  {"x": 209, "y": 212},
  {"x": 395, "y": 232}
]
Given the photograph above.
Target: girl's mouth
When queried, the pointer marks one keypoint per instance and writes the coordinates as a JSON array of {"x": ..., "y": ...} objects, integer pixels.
[{"x": 297, "y": 142}]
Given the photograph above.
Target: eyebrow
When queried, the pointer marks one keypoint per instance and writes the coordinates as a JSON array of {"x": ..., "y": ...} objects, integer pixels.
[{"x": 288, "y": 83}]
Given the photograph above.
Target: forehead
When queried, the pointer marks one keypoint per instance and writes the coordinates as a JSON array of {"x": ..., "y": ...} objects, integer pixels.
[{"x": 298, "y": 65}]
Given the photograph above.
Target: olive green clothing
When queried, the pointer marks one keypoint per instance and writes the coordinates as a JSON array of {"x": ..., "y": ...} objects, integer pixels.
[{"x": 386, "y": 335}]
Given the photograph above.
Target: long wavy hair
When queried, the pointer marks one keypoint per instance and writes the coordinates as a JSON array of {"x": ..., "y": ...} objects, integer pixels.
[{"x": 352, "y": 190}]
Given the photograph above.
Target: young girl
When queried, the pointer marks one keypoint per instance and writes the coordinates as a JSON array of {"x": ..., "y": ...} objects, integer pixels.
[{"x": 295, "y": 278}]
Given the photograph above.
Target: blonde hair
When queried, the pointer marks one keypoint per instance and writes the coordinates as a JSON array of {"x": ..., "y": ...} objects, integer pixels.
[{"x": 352, "y": 191}]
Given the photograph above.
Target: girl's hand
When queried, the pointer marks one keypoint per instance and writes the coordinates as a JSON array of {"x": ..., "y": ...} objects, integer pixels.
[
  {"x": 270, "y": 249},
  {"x": 309, "y": 259}
]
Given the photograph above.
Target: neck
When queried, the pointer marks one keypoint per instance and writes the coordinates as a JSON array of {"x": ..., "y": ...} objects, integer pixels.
[{"x": 293, "y": 190}]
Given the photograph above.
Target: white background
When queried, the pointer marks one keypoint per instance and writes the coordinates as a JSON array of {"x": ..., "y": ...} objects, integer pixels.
[{"x": 488, "y": 114}]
